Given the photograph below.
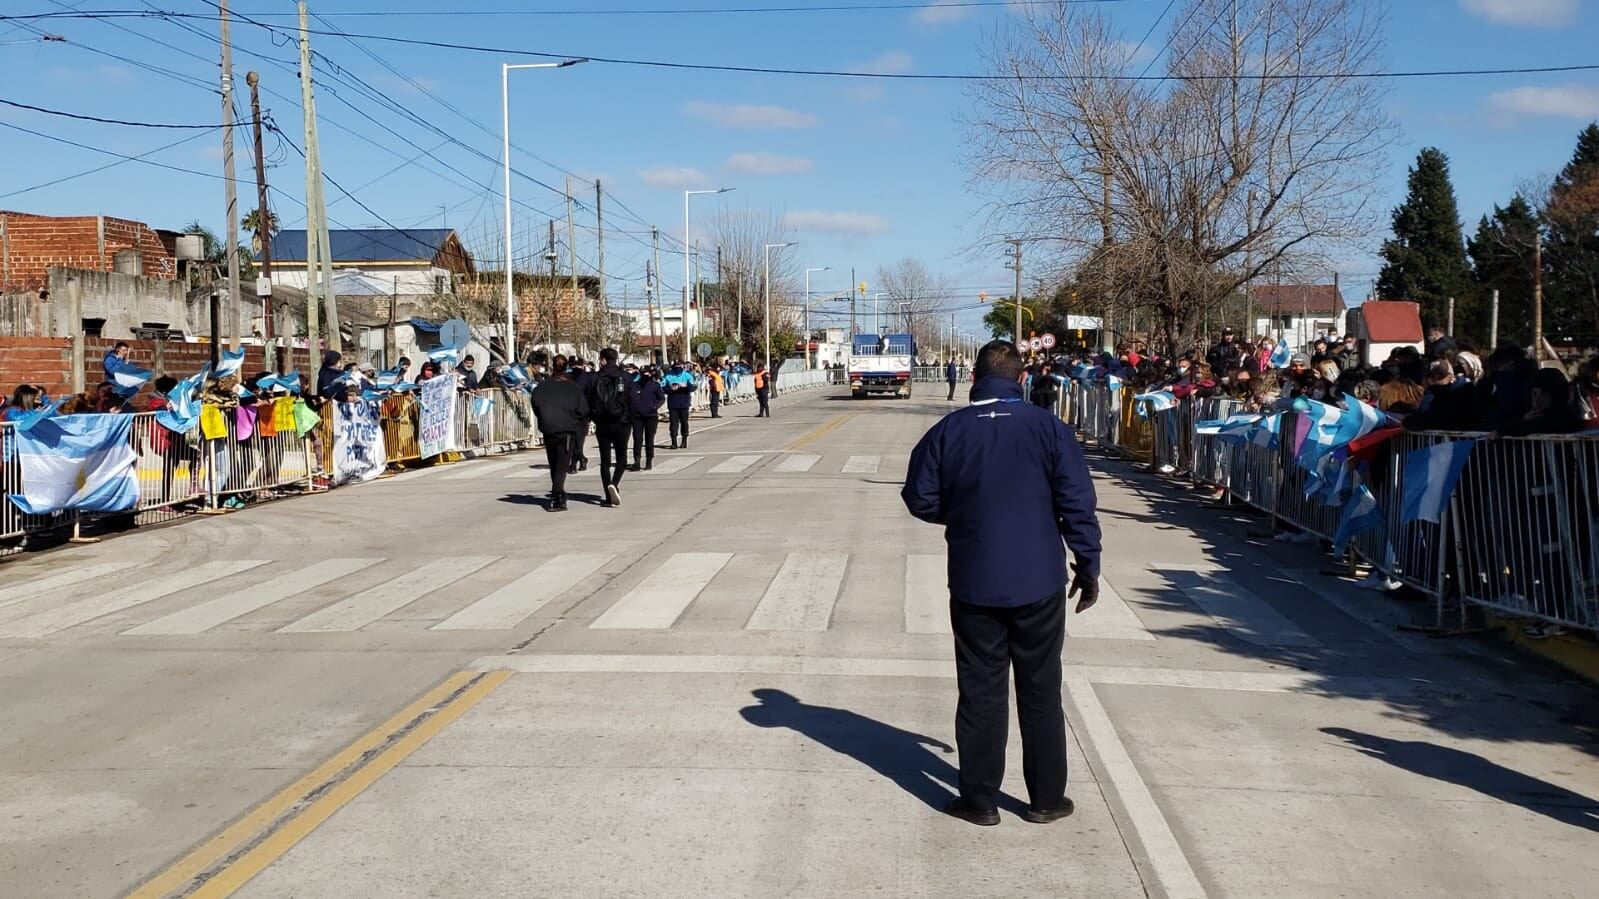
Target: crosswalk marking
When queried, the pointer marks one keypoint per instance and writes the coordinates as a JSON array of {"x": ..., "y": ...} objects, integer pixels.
[
  {"x": 1110, "y": 619},
  {"x": 673, "y": 464},
  {"x": 802, "y": 595},
  {"x": 386, "y": 598},
  {"x": 207, "y": 615},
  {"x": 29, "y": 589},
  {"x": 926, "y": 595},
  {"x": 734, "y": 464},
  {"x": 660, "y": 599},
  {"x": 1242, "y": 613},
  {"x": 862, "y": 464},
  {"x": 510, "y": 605},
  {"x": 798, "y": 463},
  {"x": 481, "y": 469},
  {"x": 70, "y": 614}
]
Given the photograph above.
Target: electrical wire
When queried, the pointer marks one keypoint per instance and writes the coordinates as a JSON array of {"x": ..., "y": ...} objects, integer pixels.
[
  {"x": 668, "y": 11},
  {"x": 104, "y": 121}
]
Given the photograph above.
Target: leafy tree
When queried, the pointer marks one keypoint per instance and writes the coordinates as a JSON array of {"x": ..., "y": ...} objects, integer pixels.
[
  {"x": 1426, "y": 259},
  {"x": 1572, "y": 253},
  {"x": 215, "y": 255},
  {"x": 253, "y": 224},
  {"x": 1501, "y": 256}
]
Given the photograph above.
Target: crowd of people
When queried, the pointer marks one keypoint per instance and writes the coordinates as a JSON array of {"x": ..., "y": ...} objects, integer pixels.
[{"x": 1447, "y": 386}]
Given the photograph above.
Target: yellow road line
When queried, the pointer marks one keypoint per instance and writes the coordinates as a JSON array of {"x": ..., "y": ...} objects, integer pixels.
[
  {"x": 441, "y": 705},
  {"x": 821, "y": 431}
]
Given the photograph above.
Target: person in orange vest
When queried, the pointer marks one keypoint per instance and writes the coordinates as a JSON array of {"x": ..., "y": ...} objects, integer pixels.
[
  {"x": 763, "y": 390},
  {"x": 718, "y": 386}
]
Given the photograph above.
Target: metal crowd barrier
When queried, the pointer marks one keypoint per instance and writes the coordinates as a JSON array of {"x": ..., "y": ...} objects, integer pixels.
[{"x": 265, "y": 459}]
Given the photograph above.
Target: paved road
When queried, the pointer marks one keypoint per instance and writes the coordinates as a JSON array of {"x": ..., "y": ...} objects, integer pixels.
[{"x": 740, "y": 684}]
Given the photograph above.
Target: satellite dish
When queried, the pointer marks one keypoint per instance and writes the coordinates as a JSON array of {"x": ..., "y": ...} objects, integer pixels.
[
  {"x": 704, "y": 350},
  {"x": 455, "y": 333}
]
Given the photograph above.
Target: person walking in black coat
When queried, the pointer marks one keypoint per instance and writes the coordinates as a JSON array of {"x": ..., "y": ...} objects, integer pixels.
[
  {"x": 610, "y": 395},
  {"x": 952, "y": 374},
  {"x": 1009, "y": 483},
  {"x": 584, "y": 379},
  {"x": 559, "y": 406},
  {"x": 647, "y": 400}
]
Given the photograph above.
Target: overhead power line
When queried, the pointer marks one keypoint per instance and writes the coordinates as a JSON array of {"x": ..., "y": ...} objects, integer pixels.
[
  {"x": 104, "y": 121},
  {"x": 640, "y": 11}
]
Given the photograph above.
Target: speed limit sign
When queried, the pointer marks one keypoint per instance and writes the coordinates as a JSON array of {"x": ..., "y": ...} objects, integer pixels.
[
  {"x": 1049, "y": 341},
  {"x": 1036, "y": 343}
]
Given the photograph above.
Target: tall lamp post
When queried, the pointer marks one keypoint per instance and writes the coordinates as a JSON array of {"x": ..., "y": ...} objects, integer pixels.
[
  {"x": 808, "y": 312},
  {"x": 766, "y": 253},
  {"x": 687, "y": 242},
  {"x": 505, "y": 157}
]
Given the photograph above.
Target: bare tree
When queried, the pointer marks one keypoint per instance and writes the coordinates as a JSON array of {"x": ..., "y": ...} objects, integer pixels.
[
  {"x": 917, "y": 298},
  {"x": 742, "y": 235},
  {"x": 1163, "y": 197}
]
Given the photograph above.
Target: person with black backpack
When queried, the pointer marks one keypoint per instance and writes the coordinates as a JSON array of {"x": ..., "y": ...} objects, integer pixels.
[
  {"x": 611, "y": 396},
  {"x": 1045, "y": 390}
]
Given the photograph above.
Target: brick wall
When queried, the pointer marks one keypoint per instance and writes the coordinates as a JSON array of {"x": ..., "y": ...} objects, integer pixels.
[
  {"x": 31, "y": 244},
  {"x": 47, "y": 361}
]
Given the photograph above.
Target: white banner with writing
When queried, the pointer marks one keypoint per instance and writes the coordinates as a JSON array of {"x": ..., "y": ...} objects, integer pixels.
[
  {"x": 358, "y": 452},
  {"x": 436, "y": 424}
]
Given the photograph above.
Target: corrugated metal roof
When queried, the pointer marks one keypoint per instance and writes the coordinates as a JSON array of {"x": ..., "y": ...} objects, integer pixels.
[
  {"x": 1291, "y": 298},
  {"x": 367, "y": 245}
]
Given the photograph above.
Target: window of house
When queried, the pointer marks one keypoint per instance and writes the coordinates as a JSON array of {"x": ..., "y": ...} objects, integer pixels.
[{"x": 92, "y": 327}]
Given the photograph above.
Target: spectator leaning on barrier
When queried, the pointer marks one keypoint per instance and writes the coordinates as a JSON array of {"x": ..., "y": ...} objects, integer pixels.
[
  {"x": 468, "y": 373},
  {"x": 1550, "y": 408},
  {"x": 23, "y": 400},
  {"x": 328, "y": 374},
  {"x": 1506, "y": 388},
  {"x": 1450, "y": 403},
  {"x": 119, "y": 353}
]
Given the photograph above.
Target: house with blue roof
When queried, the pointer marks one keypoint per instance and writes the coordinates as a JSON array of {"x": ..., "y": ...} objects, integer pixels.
[{"x": 379, "y": 261}]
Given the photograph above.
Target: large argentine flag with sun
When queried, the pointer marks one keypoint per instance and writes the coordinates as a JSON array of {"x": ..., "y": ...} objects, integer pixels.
[{"x": 82, "y": 462}]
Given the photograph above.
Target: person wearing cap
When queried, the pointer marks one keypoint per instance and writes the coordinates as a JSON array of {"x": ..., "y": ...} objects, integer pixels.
[{"x": 1226, "y": 355}]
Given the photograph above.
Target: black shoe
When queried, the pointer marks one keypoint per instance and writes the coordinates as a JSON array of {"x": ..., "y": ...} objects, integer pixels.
[
  {"x": 583, "y": 465},
  {"x": 958, "y": 808},
  {"x": 613, "y": 495},
  {"x": 673, "y": 446},
  {"x": 633, "y": 467},
  {"x": 1050, "y": 815},
  {"x": 558, "y": 503},
  {"x": 649, "y": 465}
]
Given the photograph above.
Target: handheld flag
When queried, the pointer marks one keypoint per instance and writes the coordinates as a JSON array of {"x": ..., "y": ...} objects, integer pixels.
[
  {"x": 446, "y": 354},
  {"x": 1361, "y": 514},
  {"x": 1158, "y": 401},
  {"x": 127, "y": 377},
  {"x": 183, "y": 406},
  {"x": 83, "y": 462},
  {"x": 1281, "y": 355},
  {"x": 232, "y": 362},
  {"x": 389, "y": 378},
  {"x": 39, "y": 413},
  {"x": 1430, "y": 478}
]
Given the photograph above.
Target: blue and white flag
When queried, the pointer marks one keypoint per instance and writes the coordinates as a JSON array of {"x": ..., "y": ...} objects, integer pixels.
[
  {"x": 1361, "y": 514},
  {"x": 1264, "y": 432},
  {"x": 232, "y": 362},
  {"x": 1430, "y": 478},
  {"x": 83, "y": 462},
  {"x": 183, "y": 404},
  {"x": 482, "y": 405},
  {"x": 1332, "y": 427},
  {"x": 1281, "y": 355},
  {"x": 1113, "y": 382},
  {"x": 1232, "y": 429},
  {"x": 25, "y": 420},
  {"x": 446, "y": 354},
  {"x": 1157, "y": 401},
  {"x": 128, "y": 377},
  {"x": 389, "y": 378}
]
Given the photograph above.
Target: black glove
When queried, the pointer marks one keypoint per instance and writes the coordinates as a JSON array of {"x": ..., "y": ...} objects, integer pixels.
[{"x": 1086, "y": 590}]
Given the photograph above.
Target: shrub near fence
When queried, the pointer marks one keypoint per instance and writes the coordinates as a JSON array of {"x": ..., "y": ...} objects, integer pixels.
[{"x": 1520, "y": 535}]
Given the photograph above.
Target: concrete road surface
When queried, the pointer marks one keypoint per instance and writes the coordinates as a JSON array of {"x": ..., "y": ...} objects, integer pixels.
[{"x": 739, "y": 684}]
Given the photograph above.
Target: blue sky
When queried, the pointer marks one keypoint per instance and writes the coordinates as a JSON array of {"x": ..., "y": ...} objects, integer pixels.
[{"x": 866, "y": 172}]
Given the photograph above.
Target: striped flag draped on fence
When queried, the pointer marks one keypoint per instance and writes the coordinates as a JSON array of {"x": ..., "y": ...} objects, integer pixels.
[{"x": 1430, "y": 478}]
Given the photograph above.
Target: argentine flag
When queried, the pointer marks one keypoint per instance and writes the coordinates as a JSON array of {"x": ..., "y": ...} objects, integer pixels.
[
  {"x": 1430, "y": 478},
  {"x": 1264, "y": 432},
  {"x": 183, "y": 404},
  {"x": 232, "y": 362},
  {"x": 446, "y": 354},
  {"x": 1332, "y": 427},
  {"x": 128, "y": 377},
  {"x": 389, "y": 378},
  {"x": 1281, "y": 355},
  {"x": 1361, "y": 514},
  {"x": 1158, "y": 401},
  {"x": 83, "y": 462},
  {"x": 482, "y": 405}
]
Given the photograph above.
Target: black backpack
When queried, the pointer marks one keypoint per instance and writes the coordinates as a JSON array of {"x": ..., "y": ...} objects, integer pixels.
[{"x": 613, "y": 405}]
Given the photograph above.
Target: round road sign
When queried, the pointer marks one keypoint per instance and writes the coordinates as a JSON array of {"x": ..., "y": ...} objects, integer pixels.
[
  {"x": 704, "y": 350},
  {"x": 455, "y": 333},
  {"x": 731, "y": 351},
  {"x": 1036, "y": 343},
  {"x": 1049, "y": 341}
]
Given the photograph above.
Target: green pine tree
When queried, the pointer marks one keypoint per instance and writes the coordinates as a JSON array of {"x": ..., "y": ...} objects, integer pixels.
[
  {"x": 1426, "y": 260},
  {"x": 1571, "y": 297},
  {"x": 1501, "y": 256}
]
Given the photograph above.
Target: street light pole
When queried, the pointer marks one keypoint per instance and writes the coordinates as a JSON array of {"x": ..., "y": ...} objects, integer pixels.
[
  {"x": 505, "y": 158},
  {"x": 767, "y": 262},
  {"x": 808, "y": 312},
  {"x": 687, "y": 274}
]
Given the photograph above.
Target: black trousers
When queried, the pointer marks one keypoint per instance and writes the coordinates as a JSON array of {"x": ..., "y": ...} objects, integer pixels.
[
  {"x": 578, "y": 439},
  {"x": 678, "y": 424},
  {"x": 952, "y": 390},
  {"x": 765, "y": 397},
  {"x": 613, "y": 445},
  {"x": 558, "y": 449},
  {"x": 990, "y": 641},
  {"x": 716, "y": 404},
  {"x": 644, "y": 428}
]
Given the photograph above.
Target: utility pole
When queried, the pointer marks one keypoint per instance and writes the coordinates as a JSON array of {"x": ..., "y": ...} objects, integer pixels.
[
  {"x": 571, "y": 242},
  {"x": 1493, "y": 323},
  {"x": 1537, "y": 297},
  {"x": 1016, "y": 265},
  {"x": 391, "y": 350},
  {"x": 313, "y": 235},
  {"x": 229, "y": 188},
  {"x": 1449, "y": 327},
  {"x": 599, "y": 222},
  {"x": 852, "y": 289},
  {"x": 721, "y": 291},
  {"x": 649, "y": 299},
  {"x": 555, "y": 297},
  {"x": 655, "y": 246},
  {"x": 263, "y": 221}
]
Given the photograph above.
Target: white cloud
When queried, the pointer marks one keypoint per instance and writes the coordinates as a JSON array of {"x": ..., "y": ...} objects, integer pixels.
[
  {"x": 767, "y": 164},
  {"x": 733, "y": 116},
  {"x": 115, "y": 73},
  {"x": 672, "y": 176},
  {"x": 866, "y": 93},
  {"x": 892, "y": 62},
  {"x": 1528, "y": 13},
  {"x": 942, "y": 12},
  {"x": 1136, "y": 54},
  {"x": 835, "y": 222},
  {"x": 1571, "y": 101}
]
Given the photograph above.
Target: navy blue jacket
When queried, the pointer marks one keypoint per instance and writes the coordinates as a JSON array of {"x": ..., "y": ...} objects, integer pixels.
[
  {"x": 647, "y": 398},
  {"x": 1007, "y": 481},
  {"x": 952, "y": 372}
]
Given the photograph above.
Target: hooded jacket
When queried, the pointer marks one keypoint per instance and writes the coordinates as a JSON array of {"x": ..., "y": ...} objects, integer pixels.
[
  {"x": 560, "y": 407},
  {"x": 1008, "y": 482}
]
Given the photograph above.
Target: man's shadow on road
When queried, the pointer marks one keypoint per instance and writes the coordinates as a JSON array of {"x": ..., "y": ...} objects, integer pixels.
[
  {"x": 1477, "y": 773},
  {"x": 898, "y": 755}
]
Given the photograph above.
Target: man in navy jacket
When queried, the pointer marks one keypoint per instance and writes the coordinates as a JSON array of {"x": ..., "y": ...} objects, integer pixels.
[{"x": 1009, "y": 483}]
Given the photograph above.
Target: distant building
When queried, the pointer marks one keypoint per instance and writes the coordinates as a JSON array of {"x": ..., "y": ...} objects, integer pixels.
[
  {"x": 30, "y": 245},
  {"x": 1383, "y": 326},
  {"x": 409, "y": 261},
  {"x": 1298, "y": 313}
]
